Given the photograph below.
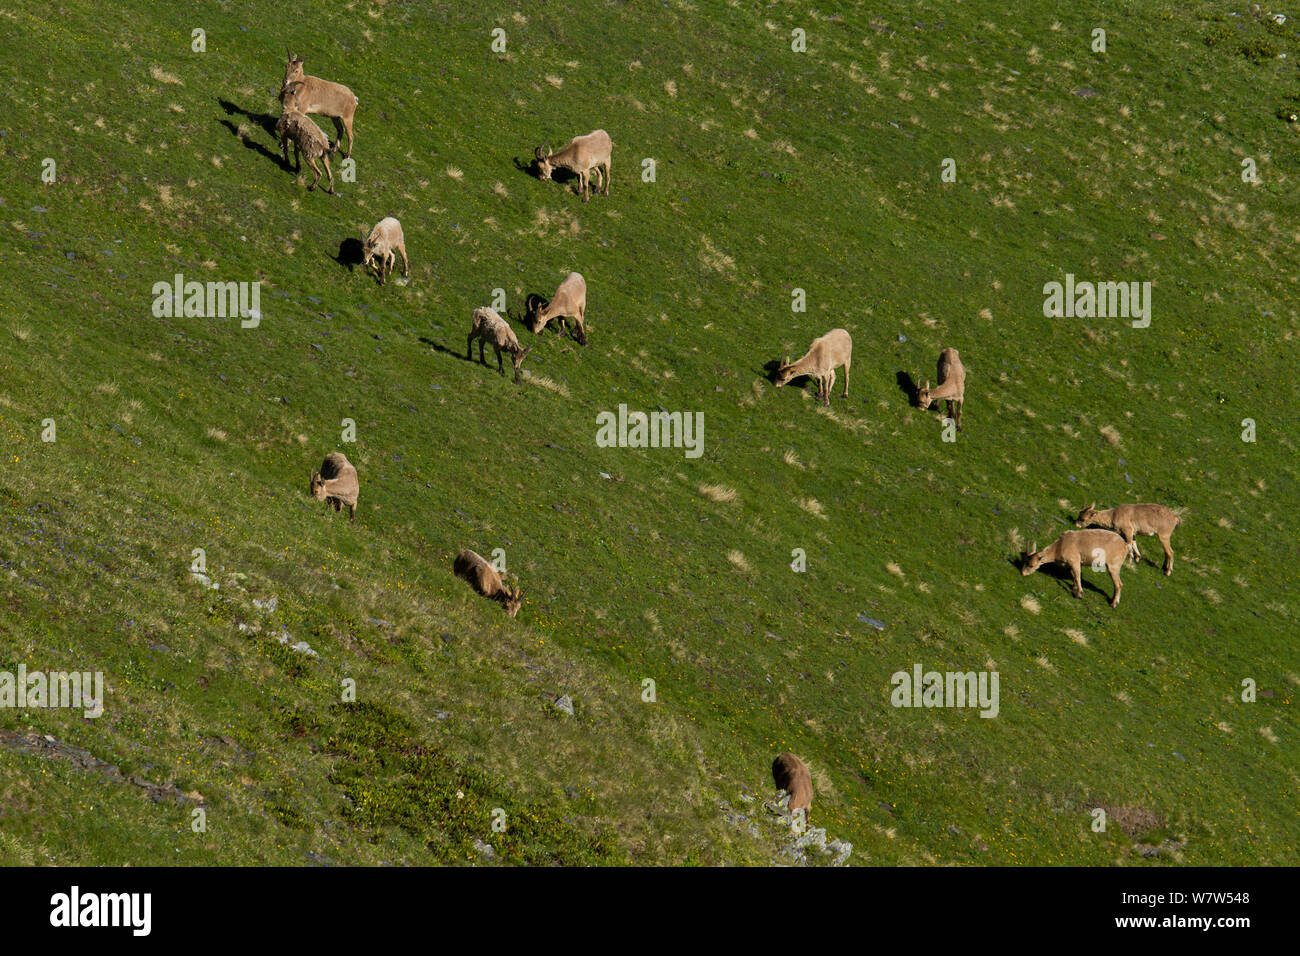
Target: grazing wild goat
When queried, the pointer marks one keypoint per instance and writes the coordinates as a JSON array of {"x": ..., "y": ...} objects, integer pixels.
[
  {"x": 483, "y": 578},
  {"x": 488, "y": 326},
  {"x": 309, "y": 94},
  {"x": 1132, "y": 520},
  {"x": 791, "y": 775},
  {"x": 951, "y": 387},
  {"x": 336, "y": 483},
  {"x": 308, "y": 143},
  {"x": 1075, "y": 548},
  {"x": 570, "y": 300},
  {"x": 583, "y": 154},
  {"x": 825, "y": 355},
  {"x": 377, "y": 249}
]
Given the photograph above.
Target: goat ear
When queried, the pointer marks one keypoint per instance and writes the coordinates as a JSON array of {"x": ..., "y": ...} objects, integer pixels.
[{"x": 1093, "y": 506}]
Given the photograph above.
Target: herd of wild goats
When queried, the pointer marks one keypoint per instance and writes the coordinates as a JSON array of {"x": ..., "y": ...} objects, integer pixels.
[{"x": 1109, "y": 538}]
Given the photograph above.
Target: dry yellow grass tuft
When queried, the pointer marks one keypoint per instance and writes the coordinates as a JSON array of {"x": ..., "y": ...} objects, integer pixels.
[
  {"x": 719, "y": 493},
  {"x": 1030, "y": 604},
  {"x": 738, "y": 559},
  {"x": 714, "y": 258},
  {"x": 813, "y": 507},
  {"x": 162, "y": 76},
  {"x": 1109, "y": 433},
  {"x": 543, "y": 382}
]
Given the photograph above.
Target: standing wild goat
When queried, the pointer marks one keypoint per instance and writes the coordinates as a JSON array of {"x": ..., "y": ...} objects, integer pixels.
[
  {"x": 488, "y": 326},
  {"x": 309, "y": 94},
  {"x": 951, "y": 387},
  {"x": 583, "y": 154},
  {"x": 336, "y": 483},
  {"x": 791, "y": 775},
  {"x": 1074, "y": 548},
  {"x": 483, "y": 578},
  {"x": 825, "y": 355},
  {"x": 1132, "y": 520},
  {"x": 377, "y": 249},
  {"x": 308, "y": 143},
  {"x": 570, "y": 300}
]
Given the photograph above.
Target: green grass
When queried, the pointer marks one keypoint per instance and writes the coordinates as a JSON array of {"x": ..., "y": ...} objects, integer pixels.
[{"x": 775, "y": 171}]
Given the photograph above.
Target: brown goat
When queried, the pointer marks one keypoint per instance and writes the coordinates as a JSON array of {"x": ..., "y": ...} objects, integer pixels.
[
  {"x": 1074, "y": 548},
  {"x": 583, "y": 154},
  {"x": 569, "y": 301},
  {"x": 379, "y": 248},
  {"x": 310, "y": 94},
  {"x": 483, "y": 578},
  {"x": 488, "y": 326},
  {"x": 826, "y": 354},
  {"x": 336, "y": 483},
  {"x": 308, "y": 143},
  {"x": 791, "y": 775},
  {"x": 1132, "y": 520},
  {"x": 951, "y": 387}
]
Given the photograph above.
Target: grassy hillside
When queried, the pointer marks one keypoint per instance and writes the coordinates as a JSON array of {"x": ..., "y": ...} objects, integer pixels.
[{"x": 775, "y": 171}]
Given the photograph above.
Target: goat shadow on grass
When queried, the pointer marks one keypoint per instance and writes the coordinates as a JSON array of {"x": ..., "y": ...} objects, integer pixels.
[
  {"x": 529, "y": 168},
  {"x": 439, "y": 347},
  {"x": 520, "y": 318},
  {"x": 1061, "y": 573},
  {"x": 907, "y": 385},
  {"x": 350, "y": 253},
  {"x": 264, "y": 120},
  {"x": 770, "y": 369}
]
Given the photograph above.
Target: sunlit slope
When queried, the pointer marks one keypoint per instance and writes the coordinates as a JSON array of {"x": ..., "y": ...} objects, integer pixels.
[{"x": 774, "y": 171}]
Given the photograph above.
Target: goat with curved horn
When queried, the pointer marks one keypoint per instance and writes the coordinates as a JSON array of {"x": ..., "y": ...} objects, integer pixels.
[
  {"x": 320, "y": 97},
  {"x": 569, "y": 301},
  {"x": 580, "y": 157}
]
